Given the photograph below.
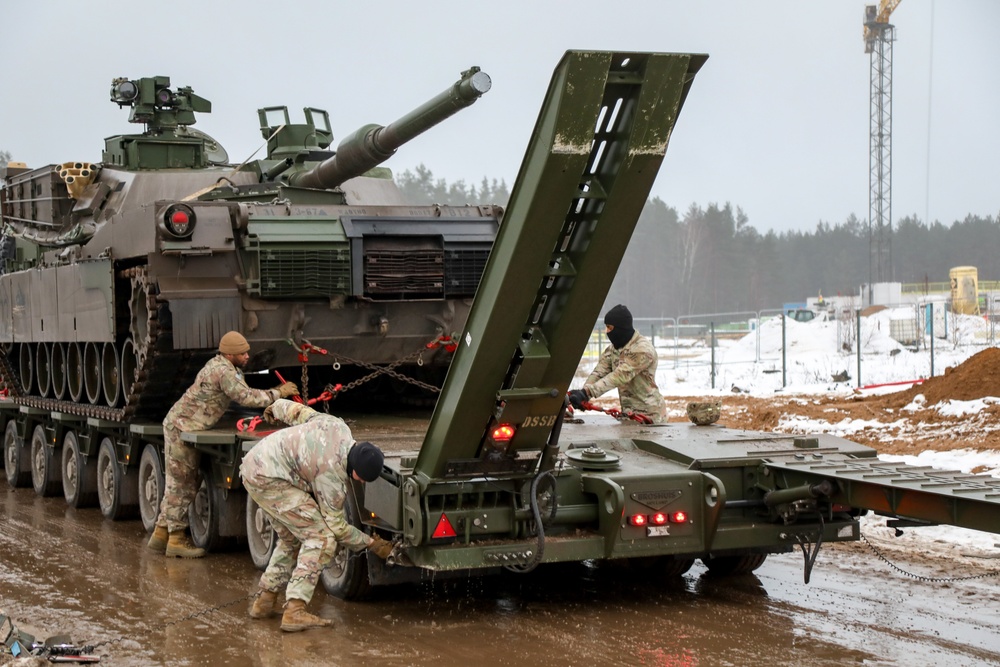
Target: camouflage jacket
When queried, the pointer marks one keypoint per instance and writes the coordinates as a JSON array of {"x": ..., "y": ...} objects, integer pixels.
[
  {"x": 632, "y": 370},
  {"x": 217, "y": 384},
  {"x": 312, "y": 456}
]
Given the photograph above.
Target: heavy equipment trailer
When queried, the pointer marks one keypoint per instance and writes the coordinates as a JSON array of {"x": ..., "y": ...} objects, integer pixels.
[{"x": 499, "y": 481}]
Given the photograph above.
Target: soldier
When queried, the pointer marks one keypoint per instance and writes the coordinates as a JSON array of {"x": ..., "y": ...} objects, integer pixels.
[
  {"x": 201, "y": 406},
  {"x": 299, "y": 476},
  {"x": 629, "y": 364}
]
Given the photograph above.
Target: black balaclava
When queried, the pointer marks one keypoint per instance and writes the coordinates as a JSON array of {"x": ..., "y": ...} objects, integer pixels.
[
  {"x": 366, "y": 459},
  {"x": 621, "y": 319}
]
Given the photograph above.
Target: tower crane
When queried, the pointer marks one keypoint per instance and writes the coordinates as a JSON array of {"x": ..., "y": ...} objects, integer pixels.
[{"x": 879, "y": 35}]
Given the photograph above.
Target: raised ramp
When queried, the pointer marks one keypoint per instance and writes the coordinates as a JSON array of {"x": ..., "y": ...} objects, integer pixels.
[{"x": 596, "y": 148}]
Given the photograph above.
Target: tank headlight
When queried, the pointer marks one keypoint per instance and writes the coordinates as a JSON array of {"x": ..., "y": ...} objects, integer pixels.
[{"x": 178, "y": 221}]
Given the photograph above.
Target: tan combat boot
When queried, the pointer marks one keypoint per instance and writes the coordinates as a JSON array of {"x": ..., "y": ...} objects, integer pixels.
[
  {"x": 180, "y": 546},
  {"x": 158, "y": 540},
  {"x": 296, "y": 618},
  {"x": 263, "y": 605}
]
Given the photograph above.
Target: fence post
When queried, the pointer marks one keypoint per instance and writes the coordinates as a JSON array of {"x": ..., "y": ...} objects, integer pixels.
[
  {"x": 858, "y": 338},
  {"x": 712, "y": 342},
  {"x": 784, "y": 317},
  {"x": 931, "y": 308}
]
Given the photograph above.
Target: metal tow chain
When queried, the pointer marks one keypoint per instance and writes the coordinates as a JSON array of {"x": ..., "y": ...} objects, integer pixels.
[
  {"x": 888, "y": 562},
  {"x": 390, "y": 369}
]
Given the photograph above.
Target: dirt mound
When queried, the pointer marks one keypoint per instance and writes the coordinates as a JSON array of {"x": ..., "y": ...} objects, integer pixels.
[{"x": 977, "y": 377}]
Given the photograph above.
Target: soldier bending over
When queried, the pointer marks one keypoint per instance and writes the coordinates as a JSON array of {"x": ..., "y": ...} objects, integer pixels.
[{"x": 299, "y": 477}]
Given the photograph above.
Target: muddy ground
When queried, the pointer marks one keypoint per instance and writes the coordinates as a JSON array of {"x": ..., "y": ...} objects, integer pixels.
[{"x": 66, "y": 570}]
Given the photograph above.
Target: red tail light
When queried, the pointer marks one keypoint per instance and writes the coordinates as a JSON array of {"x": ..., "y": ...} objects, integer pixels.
[
  {"x": 638, "y": 520},
  {"x": 658, "y": 519},
  {"x": 679, "y": 517},
  {"x": 503, "y": 433}
]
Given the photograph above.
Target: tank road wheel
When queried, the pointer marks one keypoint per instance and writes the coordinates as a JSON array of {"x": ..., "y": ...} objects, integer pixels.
[
  {"x": 727, "y": 565},
  {"x": 74, "y": 372},
  {"x": 260, "y": 534},
  {"x": 92, "y": 372},
  {"x": 216, "y": 516},
  {"x": 346, "y": 577},
  {"x": 46, "y": 473},
  {"x": 117, "y": 487},
  {"x": 111, "y": 377},
  {"x": 43, "y": 369},
  {"x": 57, "y": 361},
  {"x": 129, "y": 366},
  {"x": 79, "y": 476},
  {"x": 151, "y": 486},
  {"x": 15, "y": 459},
  {"x": 26, "y": 367}
]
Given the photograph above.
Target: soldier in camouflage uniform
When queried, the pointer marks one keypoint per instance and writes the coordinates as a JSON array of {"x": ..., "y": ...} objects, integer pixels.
[
  {"x": 201, "y": 406},
  {"x": 299, "y": 477},
  {"x": 628, "y": 364}
]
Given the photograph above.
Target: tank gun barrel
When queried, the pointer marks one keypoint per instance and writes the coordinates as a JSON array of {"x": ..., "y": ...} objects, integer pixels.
[{"x": 371, "y": 145}]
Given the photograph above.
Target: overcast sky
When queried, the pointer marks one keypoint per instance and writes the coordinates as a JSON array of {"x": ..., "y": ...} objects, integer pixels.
[{"x": 777, "y": 121}]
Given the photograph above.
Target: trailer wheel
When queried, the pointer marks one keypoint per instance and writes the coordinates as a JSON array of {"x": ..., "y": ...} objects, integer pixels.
[
  {"x": 151, "y": 486},
  {"x": 216, "y": 517},
  {"x": 46, "y": 475},
  {"x": 260, "y": 535},
  {"x": 117, "y": 486},
  {"x": 346, "y": 577},
  {"x": 15, "y": 459},
  {"x": 662, "y": 567},
  {"x": 79, "y": 476},
  {"x": 742, "y": 564},
  {"x": 675, "y": 567}
]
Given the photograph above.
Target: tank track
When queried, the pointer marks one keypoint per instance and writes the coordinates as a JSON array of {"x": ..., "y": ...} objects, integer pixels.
[{"x": 162, "y": 372}]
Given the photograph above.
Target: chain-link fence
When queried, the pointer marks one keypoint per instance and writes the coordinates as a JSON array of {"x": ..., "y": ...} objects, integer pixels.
[{"x": 778, "y": 348}]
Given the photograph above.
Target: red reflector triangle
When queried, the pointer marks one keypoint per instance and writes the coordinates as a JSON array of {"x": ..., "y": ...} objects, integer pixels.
[{"x": 444, "y": 528}]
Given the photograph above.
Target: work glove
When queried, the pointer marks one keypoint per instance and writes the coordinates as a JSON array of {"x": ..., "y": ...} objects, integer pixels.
[
  {"x": 269, "y": 414},
  {"x": 287, "y": 389},
  {"x": 380, "y": 547},
  {"x": 577, "y": 398}
]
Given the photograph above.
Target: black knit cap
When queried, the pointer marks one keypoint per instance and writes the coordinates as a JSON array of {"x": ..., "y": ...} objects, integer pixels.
[
  {"x": 619, "y": 317},
  {"x": 366, "y": 459}
]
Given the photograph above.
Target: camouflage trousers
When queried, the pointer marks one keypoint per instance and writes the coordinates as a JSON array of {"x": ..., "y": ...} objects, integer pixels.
[
  {"x": 181, "y": 472},
  {"x": 305, "y": 544}
]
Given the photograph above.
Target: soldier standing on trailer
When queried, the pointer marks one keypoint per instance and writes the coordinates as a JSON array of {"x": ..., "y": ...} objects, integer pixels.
[
  {"x": 628, "y": 364},
  {"x": 201, "y": 406},
  {"x": 300, "y": 477}
]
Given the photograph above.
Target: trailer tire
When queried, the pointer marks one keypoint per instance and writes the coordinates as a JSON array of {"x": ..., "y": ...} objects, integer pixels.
[
  {"x": 117, "y": 485},
  {"x": 216, "y": 517},
  {"x": 346, "y": 577},
  {"x": 46, "y": 475},
  {"x": 79, "y": 476},
  {"x": 261, "y": 537},
  {"x": 15, "y": 460},
  {"x": 151, "y": 486},
  {"x": 730, "y": 565}
]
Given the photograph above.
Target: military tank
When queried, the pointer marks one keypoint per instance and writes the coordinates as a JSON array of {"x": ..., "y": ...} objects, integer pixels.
[{"x": 124, "y": 274}]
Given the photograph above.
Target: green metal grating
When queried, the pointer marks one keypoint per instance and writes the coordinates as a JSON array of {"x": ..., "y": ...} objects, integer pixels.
[{"x": 296, "y": 272}]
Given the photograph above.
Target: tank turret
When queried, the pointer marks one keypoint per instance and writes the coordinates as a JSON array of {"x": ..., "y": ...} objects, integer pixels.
[{"x": 371, "y": 145}]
